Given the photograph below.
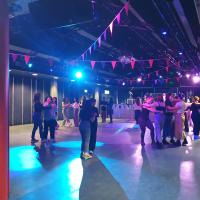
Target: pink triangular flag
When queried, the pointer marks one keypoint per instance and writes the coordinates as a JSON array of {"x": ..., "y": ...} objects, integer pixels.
[
  {"x": 93, "y": 63},
  {"x": 132, "y": 63},
  {"x": 167, "y": 69},
  {"x": 90, "y": 49},
  {"x": 156, "y": 73},
  {"x": 151, "y": 62},
  {"x": 104, "y": 35},
  {"x": 111, "y": 27},
  {"x": 14, "y": 57},
  {"x": 126, "y": 8},
  {"x": 118, "y": 18},
  {"x": 114, "y": 64},
  {"x": 26, "y": 58},
  {"x": 99, "y": 41}
]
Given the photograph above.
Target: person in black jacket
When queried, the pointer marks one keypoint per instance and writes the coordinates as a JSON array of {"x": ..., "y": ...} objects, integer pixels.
[
  {"x": 93, "y": 126},
  {"x": 37, "y": 117}
]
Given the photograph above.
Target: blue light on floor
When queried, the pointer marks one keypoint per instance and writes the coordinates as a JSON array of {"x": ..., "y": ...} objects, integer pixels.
[
  {"x": 74, "y": 144},
  {"x": 23, "y": 158}
]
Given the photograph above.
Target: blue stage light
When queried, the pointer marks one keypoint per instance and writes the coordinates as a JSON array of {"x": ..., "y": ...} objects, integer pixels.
[
  {"x": 30, "y": 65},
  {"x": 164, "y": 33},
  {"x": 79, "y": 75}
]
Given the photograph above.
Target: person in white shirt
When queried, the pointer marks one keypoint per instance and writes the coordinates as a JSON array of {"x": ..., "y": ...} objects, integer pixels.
[
  {"x": 137, "y": 106},
  {"x": 76, "y": 107},
  {"x": 180, "y": 107}
]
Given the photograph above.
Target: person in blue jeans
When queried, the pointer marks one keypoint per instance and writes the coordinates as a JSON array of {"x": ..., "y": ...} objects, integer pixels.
[
  {"x": 37, "y": 117},
  {"x": 85, "y": 117}
]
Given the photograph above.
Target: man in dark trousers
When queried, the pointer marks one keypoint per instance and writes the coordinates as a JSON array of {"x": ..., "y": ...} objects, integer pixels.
[{"x": 93, "y": 125}]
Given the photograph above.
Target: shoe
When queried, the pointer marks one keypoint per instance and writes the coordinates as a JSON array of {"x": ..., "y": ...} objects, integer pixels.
[
  {"x": 165, "y": 142},
  {"x": 91, "y": 153},
  {"x": 172, "y": 141},
  {"x": 185, "y": 142},
  {"x": 142, "y": 143},
  {"x": 177, "y": 143},
  {"x": 86, "y": 156},
  {"x": 34, "y": 141}
]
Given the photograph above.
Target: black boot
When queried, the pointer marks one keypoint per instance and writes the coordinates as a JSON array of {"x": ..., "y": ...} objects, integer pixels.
[{"x": 185, "y": 142}]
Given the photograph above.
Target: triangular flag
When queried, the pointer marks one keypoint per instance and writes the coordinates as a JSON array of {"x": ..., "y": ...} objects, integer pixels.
[
  {"x": 99, "y": 41},
  {"x": 156, "y": 73},
  {"x": 151, "y": 62},
  {"x": 132, "y": 63},
  {"x": 93, "y": 63},
  {"x": 126, "y": 8},
  {"x": 167, "y": 69},
  {"x": 148, "y": 75},
  {"x": 111, "y": 27},
  {"x": 90, "y": 49},
  {"x": 114, "y": 64},
  {"x": 118, "y": 18},
  {"x": 155, "y": 81},
  {"x": 83, "y": 56},
  {"x": 94, "y": 45},
  {"x": 14, "y": 57},
  {"x": 105, "y": 35},
  {"x": 26, "y": 58}
]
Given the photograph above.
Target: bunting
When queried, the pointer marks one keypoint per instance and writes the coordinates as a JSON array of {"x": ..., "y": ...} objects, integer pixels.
[
  {"x": 151, "y": 62},
  {"x": 93, "y": 63},
  {"x": 114, "y": 64},
  {"x": 26, "y": 59},
  {"x": 132, "y": 63},
  {"x": 14, "y": 57}
]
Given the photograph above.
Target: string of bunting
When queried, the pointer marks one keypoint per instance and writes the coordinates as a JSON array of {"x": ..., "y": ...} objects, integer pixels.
[{"x": 104, "y": 34}]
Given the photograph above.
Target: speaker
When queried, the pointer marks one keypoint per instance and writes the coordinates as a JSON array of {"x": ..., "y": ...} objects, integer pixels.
[{"x": 50, "y": 13}]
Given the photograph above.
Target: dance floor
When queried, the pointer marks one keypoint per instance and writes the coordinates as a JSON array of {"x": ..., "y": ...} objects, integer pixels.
[{"x": 120, "y": 170}]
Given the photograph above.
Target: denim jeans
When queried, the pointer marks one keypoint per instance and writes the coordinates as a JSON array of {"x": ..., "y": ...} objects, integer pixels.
[
  {"x": 168, "y": 129},
  {"x": 85, "y": 131},
  {"x": 159, "y": 124}
]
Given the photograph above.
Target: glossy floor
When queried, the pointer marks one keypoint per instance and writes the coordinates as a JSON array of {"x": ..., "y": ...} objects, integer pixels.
[{"x": 120, "y": 170}]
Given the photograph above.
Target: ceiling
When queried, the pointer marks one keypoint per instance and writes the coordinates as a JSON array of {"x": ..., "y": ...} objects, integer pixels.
[{"x": 63, "y": 30}]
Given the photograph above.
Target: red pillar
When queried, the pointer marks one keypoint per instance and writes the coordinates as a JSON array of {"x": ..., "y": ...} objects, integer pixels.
[{"x": 4, "y": 74}]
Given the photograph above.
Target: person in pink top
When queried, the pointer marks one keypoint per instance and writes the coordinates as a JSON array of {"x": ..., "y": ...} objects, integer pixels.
[{"x": 76, "y": 106}]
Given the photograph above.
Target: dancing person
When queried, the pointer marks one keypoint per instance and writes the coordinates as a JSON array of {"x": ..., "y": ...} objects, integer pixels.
[
  {"x": 37, "y": 117},
  {"x": 180, "y": 120},
  {"x": 195, "y": 108},
  {"x": 137, "y": 107},
  {"x": 110, "y": 110},
  {"x": 49, "y": 119},
  {"x": 93, "y": 126},
  {"x": 76, "y": 106},
  {"x": 168, "y": 129},
  {"x": 85, "y": 116},
  {"x": 66, "y": 112},
  {"x": 144, "y": 121},
  {"x": 55, "y": 110}
]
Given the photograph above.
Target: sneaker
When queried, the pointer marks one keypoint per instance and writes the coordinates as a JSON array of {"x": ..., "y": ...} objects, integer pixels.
[
  {"x": 172, "y": 141},
  {"x": 165, "y": 142},
  {"x": 86, "y": 156},
  {"x": 91, "y": 152},
  {"x": 34, "y": 141},
  {"x": 185, "y": 142}
]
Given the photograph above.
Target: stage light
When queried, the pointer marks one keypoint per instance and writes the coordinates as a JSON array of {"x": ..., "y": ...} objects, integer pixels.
[
  {"x": 164, "y": 33},
  {"x": 30, "y": 65},
  {"x": 79, "y": 75},
  {"x": 98, "y": 84},
  {"x": 123, "y": 83},
  {"x": 160, "y": 77},
  {"x": 196, "y": 79},
  {"x": 51, "y": 70},
  {"x": 187, "y": 75},
  {"x": 34, "y": 74},
  {"x": 55, "y": 77},
  {"x": 10, "y": 70},
  {"x": 139, "y": 79},
  {"x": 86, "y": 91},
  {"x": 180, "y": 53},
  {"x": 72, "y": 80},
  {"x": 106, "y": 91}
]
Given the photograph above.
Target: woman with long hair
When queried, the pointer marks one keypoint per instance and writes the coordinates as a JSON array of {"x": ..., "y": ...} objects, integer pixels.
[
  {"x": 85, "y": 117},
  {"x": 37, "y": 117},
  {"x": 76, "y": 106},
  {"x": 55, "y": 111},
  {"x": 137, "y": 106},
  {"x": 65, "y": 110}
]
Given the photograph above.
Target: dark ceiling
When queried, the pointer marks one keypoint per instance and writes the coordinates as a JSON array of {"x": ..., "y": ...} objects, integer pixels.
[{"x": 65, "y": 29}]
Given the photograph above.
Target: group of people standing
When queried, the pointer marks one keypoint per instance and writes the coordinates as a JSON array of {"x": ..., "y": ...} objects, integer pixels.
[{"x": 171, "y": 119}]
